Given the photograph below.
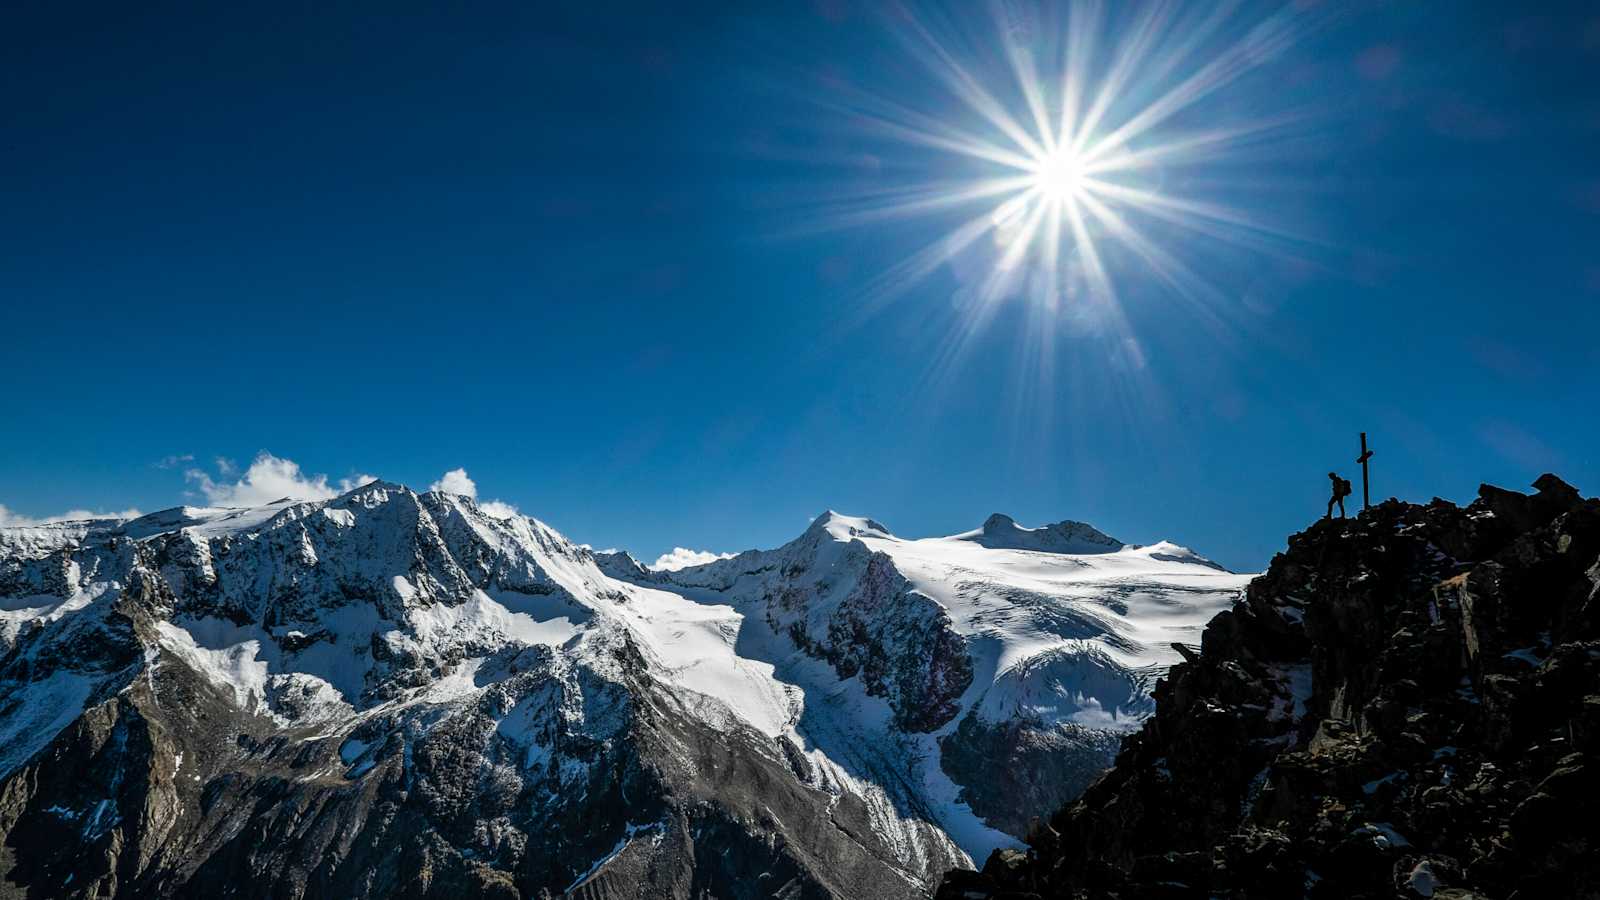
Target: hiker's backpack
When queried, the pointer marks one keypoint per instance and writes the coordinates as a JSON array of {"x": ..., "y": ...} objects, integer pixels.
[{"x": 1345, "y": 487}]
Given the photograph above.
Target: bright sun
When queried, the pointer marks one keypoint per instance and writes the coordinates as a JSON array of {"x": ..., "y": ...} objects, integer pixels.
[
  {"x": 1077, "y": 147},
  {"x": 1058, "y": 176}
]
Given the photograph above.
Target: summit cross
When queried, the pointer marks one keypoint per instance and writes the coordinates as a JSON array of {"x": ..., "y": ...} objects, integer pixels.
[{"x": 1366, "y": 497}]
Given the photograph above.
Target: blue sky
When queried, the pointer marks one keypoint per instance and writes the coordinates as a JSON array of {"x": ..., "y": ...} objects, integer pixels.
[{"x": 595, "y": 258}]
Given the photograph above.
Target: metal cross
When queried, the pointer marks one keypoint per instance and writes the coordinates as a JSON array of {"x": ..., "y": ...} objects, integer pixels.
[{"x": 1366, "y": 497}]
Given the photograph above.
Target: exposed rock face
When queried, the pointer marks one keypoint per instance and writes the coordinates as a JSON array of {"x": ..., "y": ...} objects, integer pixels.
[
  {"x": 1018, "y": 766},
  {"x": 621, "y": 564},
  {"x": 1407, "y": 704},
  {"x": 1000, "y": 531},
  {"x": 839, "y": 601}
]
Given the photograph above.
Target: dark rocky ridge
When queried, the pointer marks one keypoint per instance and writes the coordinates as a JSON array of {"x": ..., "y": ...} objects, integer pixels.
[{"x": 1407, "y": 704}]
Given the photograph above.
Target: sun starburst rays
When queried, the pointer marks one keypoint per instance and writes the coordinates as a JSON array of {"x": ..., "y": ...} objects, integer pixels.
[{"x": 1068, "y": 143}]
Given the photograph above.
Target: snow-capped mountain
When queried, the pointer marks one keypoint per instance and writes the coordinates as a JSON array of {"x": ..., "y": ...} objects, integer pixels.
[
  {"x": 397, "y": 694},
  {"x": 999, "y": 681}
]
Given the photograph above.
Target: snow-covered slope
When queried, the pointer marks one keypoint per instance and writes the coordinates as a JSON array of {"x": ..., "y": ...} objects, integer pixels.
[
  {"x": 943, "y": 653},
  {"x": 347, "y": 694}
]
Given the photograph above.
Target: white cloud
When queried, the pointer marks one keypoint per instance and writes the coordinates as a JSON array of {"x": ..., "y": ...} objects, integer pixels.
[
  {"x": 683, "y": 557},
  {"x": 11, "y": 519},
  {"x": 499, "y": 509},
  {"x": 269, "y": 478},
  {"x": 456, "y": 481},
  {"x": 173, "y": 461}
]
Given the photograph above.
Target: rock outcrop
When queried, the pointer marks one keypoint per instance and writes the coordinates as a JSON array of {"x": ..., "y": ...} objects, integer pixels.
[
  {"x": 1406, "y": 704},
  {"x": 1001, "y": 532}
]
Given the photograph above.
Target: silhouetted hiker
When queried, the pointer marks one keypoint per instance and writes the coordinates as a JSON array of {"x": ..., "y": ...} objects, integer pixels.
[{"x": 1341, "y": 490}]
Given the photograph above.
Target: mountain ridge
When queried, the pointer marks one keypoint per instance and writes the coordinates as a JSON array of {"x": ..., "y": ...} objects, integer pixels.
[{"x": 479, "y": 694}]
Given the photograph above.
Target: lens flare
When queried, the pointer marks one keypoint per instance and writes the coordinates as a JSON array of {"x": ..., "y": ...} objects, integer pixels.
[
  {"x": 1074, "y": 135},
  {"x": 1058, "y": 177}
]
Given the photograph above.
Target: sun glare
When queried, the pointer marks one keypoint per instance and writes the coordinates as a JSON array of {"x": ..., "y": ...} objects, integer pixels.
[
  {"x": 1057, "y": 176},
  {"x": 1072, "y": 141}
]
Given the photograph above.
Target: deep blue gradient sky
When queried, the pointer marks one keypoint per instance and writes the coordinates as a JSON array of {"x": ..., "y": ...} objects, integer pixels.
[{"x": 572, "y": 251}]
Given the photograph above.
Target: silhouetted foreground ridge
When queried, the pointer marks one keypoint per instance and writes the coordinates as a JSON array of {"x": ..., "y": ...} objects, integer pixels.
[{"x": 1407, "y": 704}]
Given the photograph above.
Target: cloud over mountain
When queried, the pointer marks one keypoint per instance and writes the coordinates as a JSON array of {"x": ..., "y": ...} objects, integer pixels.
[
  {"x": 456, "y": 481},
  {"x": 267, "y": 479},
  {"x": 683, "y": 557}
]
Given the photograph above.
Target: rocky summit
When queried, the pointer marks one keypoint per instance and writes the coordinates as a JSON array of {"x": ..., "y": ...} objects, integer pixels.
[
  {"x": 392, "y": 694},
  {"x": 1407, "y": 704}
]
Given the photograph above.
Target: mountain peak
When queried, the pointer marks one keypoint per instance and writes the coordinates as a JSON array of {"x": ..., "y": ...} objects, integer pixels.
[
  {"x": 998, "y": 522},
  {"x": 1001, "y": 532},
  {"x": 376, "y": 484},
  {"x": 843, "y": 528}
]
